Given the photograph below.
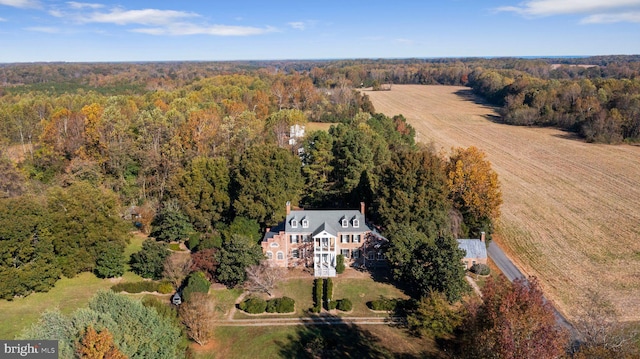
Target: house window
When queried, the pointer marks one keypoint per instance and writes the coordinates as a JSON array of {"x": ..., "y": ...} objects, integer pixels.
[
  {"x": 345, "y": 253},
  {"x": 356, "y": 238},
  {"x": 371, "y": 255},
  {"x": 345, "y": 223},
  {"x": 294, "y": 223},
  {"x": 269, "y": 255},
  {"x": 344, "y": 238},
  {"x": 380, "y": 256},
  {"x": 306, "y": 238},
  {"x": 305, "y": 223},
  {"x": 295, "y": 253},
  {"x": 294, "y": 238},
  {"x": 356, "y": 223},
  {"x": 274, "y": 244},
  {"x": 280, "y": 255},
  {"x": 355, "y": 253}
]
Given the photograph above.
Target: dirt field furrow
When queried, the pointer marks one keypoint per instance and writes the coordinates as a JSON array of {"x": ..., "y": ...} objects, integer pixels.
[{"x": 571, "y": 213}]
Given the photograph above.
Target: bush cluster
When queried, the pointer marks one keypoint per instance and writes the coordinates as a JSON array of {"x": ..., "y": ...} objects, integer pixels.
[
  {"x": 281, "y": 305},
  {"x": 384, "y": 304},
  {"x": 136, "y": 287},
  {"x": 344, "y": 305},
  {"x": 165, "y": 287},
  {"x": 481, "y": 269},
  {"x": 328, "y": 294},
  {"x": 340, "y": 264},
  {"x": 255, "y": 305}
]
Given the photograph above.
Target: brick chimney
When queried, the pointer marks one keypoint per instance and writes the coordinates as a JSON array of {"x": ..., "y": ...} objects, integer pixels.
[
  {"x": 288, "y": 208},
  {"x": 362, "y": 208},
  {"x": 481, "y": 236}
]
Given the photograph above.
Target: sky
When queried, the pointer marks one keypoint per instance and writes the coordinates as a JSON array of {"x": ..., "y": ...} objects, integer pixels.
[{"x": 211, "y": 30}]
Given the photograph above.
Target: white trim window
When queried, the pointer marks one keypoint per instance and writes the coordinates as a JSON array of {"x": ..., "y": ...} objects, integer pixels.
[
  {"x": 345, "y": 253},
  {"x": 294, "y": 223},
  {"x": 274, "y": 244},
  {"x": 269, "y": 255},
  {"x": 355, "y": 253},
  {"x": 294, "y": 238},
  {"x": 345, "y": 222},
  {"x": 344, "y": 238},
  {"x": 280, "y": 255},
  {"x": 356, "y": 238},
  {"x": 355, "y": 222},
  {"x": 295, "y": 253},
  {"x": 305, "y": 223}
]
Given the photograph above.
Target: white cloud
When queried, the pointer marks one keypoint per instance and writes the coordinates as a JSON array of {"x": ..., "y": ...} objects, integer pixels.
[
  {"x": 300, "y": 25},
  {"x": 557, "y": 7},
  {"x": 84, "y": 5},
  {"x": 2, "y": 19},
  {"x": 45, "y": 29},
  {"x": 23, "y": 4},
  {"x": 405, "y": 41},
  {"x": 141, "y": 17},
  {"x": 181, "y": 29},
  {"x": 633, "y": 16}
]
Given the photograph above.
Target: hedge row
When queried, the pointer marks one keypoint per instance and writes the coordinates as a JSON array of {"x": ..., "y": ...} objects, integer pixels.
[
  {"x": 317, "y": 295},
  {"x": 255, "y": 305},
  {"x": 384, "y": 304},
  {"x": 163, "y": 287}
]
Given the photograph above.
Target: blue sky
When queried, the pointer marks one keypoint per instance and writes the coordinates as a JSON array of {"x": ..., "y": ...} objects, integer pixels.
[{"x": 52, "y": 30}]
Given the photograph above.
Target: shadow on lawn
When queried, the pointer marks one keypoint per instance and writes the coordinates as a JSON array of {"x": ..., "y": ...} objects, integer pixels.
[{"x": 333, "y": 338}]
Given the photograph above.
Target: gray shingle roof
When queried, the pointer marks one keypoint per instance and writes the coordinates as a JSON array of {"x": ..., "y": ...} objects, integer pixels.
[
  {"x": 330, "y": 219},
  {"x": 474, "y": 248}
]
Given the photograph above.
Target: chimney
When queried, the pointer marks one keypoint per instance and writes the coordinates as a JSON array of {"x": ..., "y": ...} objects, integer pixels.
[
  {"x": 481, "y": 236},
  {"x": 288, "y": 208},
  {"x": 362, "y": 208}
]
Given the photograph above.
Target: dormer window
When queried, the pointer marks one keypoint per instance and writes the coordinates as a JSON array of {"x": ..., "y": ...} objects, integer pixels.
[
  {"x": 355, "y": 222},
  {"x": 305, "y": 223},
  {"x": 294, "y": 223},
  {"x": 345, "y": 222}
]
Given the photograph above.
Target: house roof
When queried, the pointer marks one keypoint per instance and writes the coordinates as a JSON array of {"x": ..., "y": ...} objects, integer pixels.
[
  {"x": 331, "y": 220},
  {"x": 474, "y": 248}
]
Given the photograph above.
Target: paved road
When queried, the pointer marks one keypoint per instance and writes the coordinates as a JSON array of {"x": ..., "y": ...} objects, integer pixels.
[
  {"x": 512, "y": 273},
  {"x": 503, "y": 262}
]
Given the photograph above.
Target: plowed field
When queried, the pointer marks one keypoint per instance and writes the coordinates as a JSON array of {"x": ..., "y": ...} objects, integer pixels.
[{"x": 571, "y": 212}]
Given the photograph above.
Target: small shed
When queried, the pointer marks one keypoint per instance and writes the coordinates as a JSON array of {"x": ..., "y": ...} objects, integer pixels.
[{"x": 475, "y": 251}]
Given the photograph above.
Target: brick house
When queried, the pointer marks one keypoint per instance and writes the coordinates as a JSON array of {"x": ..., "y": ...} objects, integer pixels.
[
  {"x": 475, "y": 251},
  {"x": 314, "y": 239}
]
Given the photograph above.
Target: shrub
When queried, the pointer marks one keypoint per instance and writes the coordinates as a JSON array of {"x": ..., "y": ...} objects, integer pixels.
[
  {"x": 194, "y": 240},
  {"x": 175, "y": 247},
  {"x": 328, "y": 292},
  {"x": 332, "y": 305},
  {"x": 253, "y": 305},
  {"x": 344, "y": 305},
  {"x": 340, "y": 264},
  {"x": 165, "y": 287},
  {"x": 196, "y": 282},
  {"x": 384, "y": 304},
  {"x": 280, "y": 305},
  {"x": 317, "y": 295},
  {"x": 481, "y": 269},
  {"x": 135, "y": 287}
]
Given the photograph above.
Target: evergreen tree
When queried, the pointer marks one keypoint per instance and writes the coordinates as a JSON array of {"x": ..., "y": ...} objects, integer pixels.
[
  {"x": 149, "y": 261},
  {"x": 110, "y": 261},
  {"x": 170, "y": 224},
  {"x": 238, "y": 252}
]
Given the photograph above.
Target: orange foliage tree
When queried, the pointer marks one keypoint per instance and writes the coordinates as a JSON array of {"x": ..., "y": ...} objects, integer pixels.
[{"x": 94, "y": 345}]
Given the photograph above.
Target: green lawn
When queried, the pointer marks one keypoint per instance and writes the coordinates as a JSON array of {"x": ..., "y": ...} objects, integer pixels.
[{"x": 67, "y": 295}]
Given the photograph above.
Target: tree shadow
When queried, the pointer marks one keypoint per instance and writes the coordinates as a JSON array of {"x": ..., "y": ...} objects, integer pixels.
[
  {"x": 468, "y": 95},
  {"x": 331, "y": 337}
]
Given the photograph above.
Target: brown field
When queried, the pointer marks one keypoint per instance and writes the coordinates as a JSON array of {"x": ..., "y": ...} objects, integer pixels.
[{"x": 571, "y": 213}]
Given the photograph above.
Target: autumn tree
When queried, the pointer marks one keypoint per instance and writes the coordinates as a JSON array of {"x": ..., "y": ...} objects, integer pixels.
[
  {"x": 263, "y": 277},
  {"x": 279, "y": 124},
  {"x": 513, "y": 321},
  {"x": 197, "y": 314},
  {"x": 176, "y": 268},
  {"x": 474, "y": 188},
  {"x": 98, "y": 345},
  {"x": 206, "y": 261},
  {"x": 12, "y": 182}
]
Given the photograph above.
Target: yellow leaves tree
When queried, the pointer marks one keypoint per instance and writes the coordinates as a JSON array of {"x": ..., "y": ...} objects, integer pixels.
[
  {"x": 474, "y": 187},
  {"x": 94, "y": 146},
  {"x": 94, "y": 345}
]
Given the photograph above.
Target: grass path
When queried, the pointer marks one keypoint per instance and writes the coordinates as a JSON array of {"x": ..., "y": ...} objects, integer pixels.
[{"x": 570, "y": 215}]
